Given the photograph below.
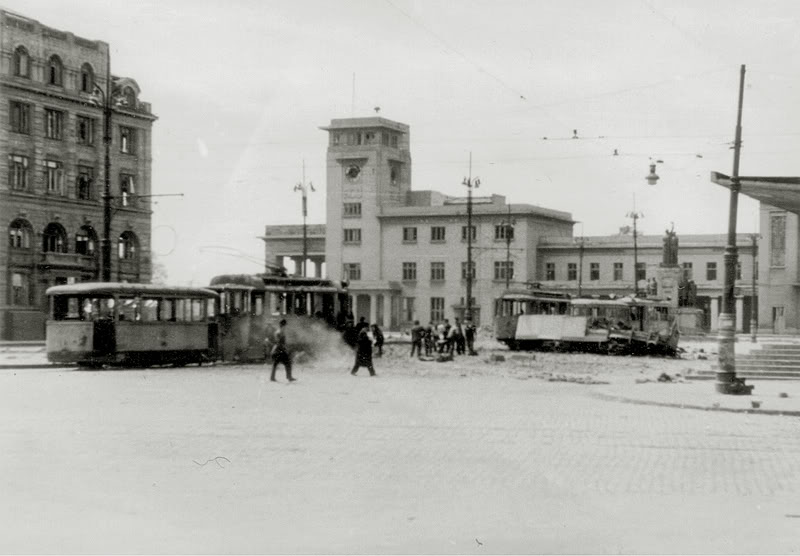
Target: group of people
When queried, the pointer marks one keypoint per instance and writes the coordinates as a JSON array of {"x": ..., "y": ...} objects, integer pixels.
[
  {"x": 444, "y": 338},
  {"x": 357, "y": 336}
]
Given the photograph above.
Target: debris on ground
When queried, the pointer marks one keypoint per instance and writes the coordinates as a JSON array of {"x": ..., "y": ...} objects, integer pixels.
[
  {"x": 664, "y": 377},
  {"x": 755, "y": 403},
  {"x": 783, "y": 395},
  {"x": 573, "y": 379}
]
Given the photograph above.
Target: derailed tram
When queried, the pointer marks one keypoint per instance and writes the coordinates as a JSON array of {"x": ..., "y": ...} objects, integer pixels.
[{"x": 604, "y": 324}]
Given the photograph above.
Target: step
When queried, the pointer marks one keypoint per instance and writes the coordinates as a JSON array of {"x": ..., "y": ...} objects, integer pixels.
[
  {"x": 758, "y": 367},
  {"x": 753, "y": 375}
]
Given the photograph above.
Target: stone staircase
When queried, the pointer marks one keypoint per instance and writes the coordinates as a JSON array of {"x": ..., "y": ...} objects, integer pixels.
[{"x": 767, "y": 362}]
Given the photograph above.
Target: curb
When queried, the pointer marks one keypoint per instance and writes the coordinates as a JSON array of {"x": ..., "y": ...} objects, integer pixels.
[
  {"x": 5, "y": 367},
  {"x": 623, "y": 399}
]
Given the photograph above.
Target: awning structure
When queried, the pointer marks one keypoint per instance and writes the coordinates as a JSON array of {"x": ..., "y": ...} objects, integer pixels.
[{"x": 780, "y": 192}]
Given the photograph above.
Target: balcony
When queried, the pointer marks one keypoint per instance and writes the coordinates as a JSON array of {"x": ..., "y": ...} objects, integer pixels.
[{"x": 21, "y": 257}]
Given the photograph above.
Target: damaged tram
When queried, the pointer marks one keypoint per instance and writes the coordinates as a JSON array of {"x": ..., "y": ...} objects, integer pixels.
[{"x": 604, "y": 324}]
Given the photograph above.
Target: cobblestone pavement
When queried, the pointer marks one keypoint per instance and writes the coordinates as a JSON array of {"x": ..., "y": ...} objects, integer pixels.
[{"x": 419, "y": 459}]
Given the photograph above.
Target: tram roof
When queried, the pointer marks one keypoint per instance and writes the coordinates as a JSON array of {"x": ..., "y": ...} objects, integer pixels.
[
  {"x": 626, "y": 301},
  {"x": 115, "y": 288},
  {"x": 532, "y": 294}
]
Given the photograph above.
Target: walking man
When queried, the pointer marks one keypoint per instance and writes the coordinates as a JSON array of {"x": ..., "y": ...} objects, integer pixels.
[
  {"x": 378, "y": 337},
  {"x": 363, "y": 353},
  {"x": 469, "y": 332},
  {"x": 281, "y": 354}
]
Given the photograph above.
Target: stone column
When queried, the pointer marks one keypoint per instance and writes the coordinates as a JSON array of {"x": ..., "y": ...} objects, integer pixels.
[
  {"x": 714, "y": 313},
  {"x": 739, "y": 314},
  {"x": 373, "y": 307},
  {"x": 318, "y": 267},
  {"x": 298, "y": 265}
]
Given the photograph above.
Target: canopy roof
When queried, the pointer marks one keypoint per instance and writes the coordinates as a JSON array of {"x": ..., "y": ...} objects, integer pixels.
[{"x": 780, "y": 192}]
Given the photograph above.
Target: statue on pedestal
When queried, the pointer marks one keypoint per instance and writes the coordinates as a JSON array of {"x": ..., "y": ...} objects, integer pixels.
[{"x": 670, "y": 253}]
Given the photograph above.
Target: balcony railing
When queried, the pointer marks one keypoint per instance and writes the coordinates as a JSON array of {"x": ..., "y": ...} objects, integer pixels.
[{"x": 68, "y": 260}]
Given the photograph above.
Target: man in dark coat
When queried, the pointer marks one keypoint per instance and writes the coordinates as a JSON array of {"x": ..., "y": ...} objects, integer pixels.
[
  {"x": 363, "y": 353},
  {"x": 281, "y": 354},
  {"x": 362, "y": 323},
  {"x": 469, "y": 332},
  {"x": 416, "y": 339}
]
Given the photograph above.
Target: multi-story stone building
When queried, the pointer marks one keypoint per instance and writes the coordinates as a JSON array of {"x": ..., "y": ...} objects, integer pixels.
[{"x": 52, "y": 169}]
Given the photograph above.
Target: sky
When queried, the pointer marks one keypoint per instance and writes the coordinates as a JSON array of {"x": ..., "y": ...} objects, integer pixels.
[{"x": 241, "y": 87}]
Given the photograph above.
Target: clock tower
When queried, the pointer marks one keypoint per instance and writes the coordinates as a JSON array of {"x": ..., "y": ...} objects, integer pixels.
[{"x": 368, "y": 168}]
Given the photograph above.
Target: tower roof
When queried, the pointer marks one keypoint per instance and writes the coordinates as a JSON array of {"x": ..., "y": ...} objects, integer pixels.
[{"x": 374, "y": 121}]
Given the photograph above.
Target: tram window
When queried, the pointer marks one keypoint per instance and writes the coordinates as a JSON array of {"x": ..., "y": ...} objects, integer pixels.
[
  {"x": 259, "y": 308},
  {"x": 210, "y": 306},
  {"x": 237, "y": 301},
  {"x": 276, "y": 303},
  {"x": 223, "y": 303},
  {"x": 128, "y": 309},
  {"x": 197, "y": 310},
  {"x": 66, "y": 308},
  {"x": 166, "y": 310},
  {"x": 180, "y": 310},
  {"x": 149, "y": 310}
]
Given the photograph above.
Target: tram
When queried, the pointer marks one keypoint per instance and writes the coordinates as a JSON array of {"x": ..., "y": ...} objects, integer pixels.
[
  {"x": 96, "y": 324},
  {"x": 604, "y": 324},
  {"x": 251, "y": 306}
]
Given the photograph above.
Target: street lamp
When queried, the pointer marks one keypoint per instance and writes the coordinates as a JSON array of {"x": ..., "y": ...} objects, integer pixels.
[
  {"x": 303, "y": 188},
  {"x": 471, "y": 183},
  {"x": 581, "y": 241},
  {"x": 635, "y": 216},
  {"x": 754, "y": 302},
  {"x": 727, "y": 382}
]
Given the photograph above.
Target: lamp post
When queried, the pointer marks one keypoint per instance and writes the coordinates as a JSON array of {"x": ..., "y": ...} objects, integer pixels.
[
  {"x": 754, "y": 302},
  {"x": 303, "y": 188},
  {"x": 727, "y": 382},
  {"x": 471, "y": 183},
  {"x": 635, "y": 216},
  {"x": 580, "y": 265}
]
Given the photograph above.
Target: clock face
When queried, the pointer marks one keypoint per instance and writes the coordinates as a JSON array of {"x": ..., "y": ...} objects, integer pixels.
[{"x": 352, "y": 171}]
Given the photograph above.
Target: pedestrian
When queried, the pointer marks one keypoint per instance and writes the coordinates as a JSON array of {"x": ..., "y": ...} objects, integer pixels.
[
  {"x": 363, "y": 353},
  {"x": 377, "y": 335},
  {"x": 362, "y": 323},
  {"x": 416, "y": 339},
  {"x": 459, "y": 337},
  {"x": 469, "y": 333},
  {"x": 350, "y": 335},
  {"x": 281, "y": 353},
  {"x": 428, "y": 339}
]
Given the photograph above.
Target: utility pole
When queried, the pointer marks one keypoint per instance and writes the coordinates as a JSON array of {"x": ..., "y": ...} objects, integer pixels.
[
  {"x": 303, "y": 188},
  {"x": 471, "y": 184},
  {"x": 105, "y": 246},
  {"x": 727, "y": 383},
  {"x": 754, "y": 302},
  {"x": 580, "y": 266},
  {"x": 635, "y": 216},
  {"x": 509, "y": 232}
]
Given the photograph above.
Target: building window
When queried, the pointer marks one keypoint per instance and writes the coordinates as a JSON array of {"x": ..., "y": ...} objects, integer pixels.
[
  {"x": 504, "y": 270},
  {"x": 20, "y": 289},
  {"x": 738, "y": 270},
  {"x": 128, "y": 246},
  {"x": 618, "y": 272},
  {"x": 85, "y": 130},
  {"x": 54, "y": 177},
  {"x": 128, "y": 97},
  {"x": 504, "y": 232},
  {"x": 394, "y": 174},
  {"x": 336, "y": 138},
  {"x": 410, "y": 235},
  {"x": 18, "y": 172},
  {"x": 777, "y": 240},
  {"x": 408, "y": 309},
  {"x": 464, "y": 233},
  {"x": 53, "y": 124},
  {"x": 572, "y": 271},
  {"x": 438, "y": 233},
  {"x": 127, "y": 140},
  {"x": 19, "y": 234},
  {"x": 594, "y": 271},
  {"x": 437, "y": 309},
  {"x": 711, "y": 271},
  {"x": 464, "y": 270},
  {"x": 85, "y": 241},
  {"x": 395, "y": 140},
  {"x": 437, "y": 272},
  {"x": 22, "y": 62},
  {"x": 688, "y": 273},
  {"x": 127, "y": 189},
  {"x": 409, "y": 271},
  {"x": 83, "y": 184},
  {"x": 54, "y": 239},
  {"x": 352, "y": 209},
  {"x": 55, "y": 71},
  {"x": 352, "y": 271},
  {"x": 641, "y": 271},
  {"x": 87, "y": 78},
  {"x": 352, "y": 235},
  {"x": 755, "y": 270},
  {"x": 20, "y": 117},
  {"x": 550, "y": 271},
  {"x": 385, "y": 139}
]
